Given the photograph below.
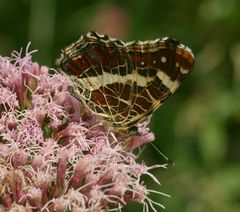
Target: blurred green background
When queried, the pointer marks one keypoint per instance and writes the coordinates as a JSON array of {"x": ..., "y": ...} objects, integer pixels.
[{"x": 199, "y": 127}]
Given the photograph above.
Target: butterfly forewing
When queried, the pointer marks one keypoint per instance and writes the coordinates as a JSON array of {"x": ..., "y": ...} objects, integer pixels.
[
  {"x": 159, "y": 68},
  {"x": 125, "y": 83}
]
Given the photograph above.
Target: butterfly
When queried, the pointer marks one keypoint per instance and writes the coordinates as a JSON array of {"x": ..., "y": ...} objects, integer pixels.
[{"x": 125, "y": 82}]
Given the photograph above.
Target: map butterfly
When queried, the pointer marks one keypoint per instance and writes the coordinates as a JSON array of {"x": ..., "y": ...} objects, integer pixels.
[{"x": 125, "y": 82}]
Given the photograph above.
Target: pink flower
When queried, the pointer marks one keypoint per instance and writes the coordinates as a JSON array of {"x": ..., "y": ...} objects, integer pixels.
[{"x": 54, "y": 157}]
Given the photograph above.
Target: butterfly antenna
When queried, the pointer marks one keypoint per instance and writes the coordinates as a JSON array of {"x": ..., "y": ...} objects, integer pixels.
[
  {"x": 140, "y": 151},
  {"x": 169, "y": 162}
]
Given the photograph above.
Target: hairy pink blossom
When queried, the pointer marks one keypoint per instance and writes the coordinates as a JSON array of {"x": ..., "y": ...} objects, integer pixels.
[{"x": 55, "y": 155}]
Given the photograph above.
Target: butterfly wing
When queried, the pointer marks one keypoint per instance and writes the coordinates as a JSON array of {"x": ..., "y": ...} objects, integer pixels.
[
  {"x": 125, "y": 83},
  {"x": 100, "y": 68},
  {"x": 159, "y": 69}
]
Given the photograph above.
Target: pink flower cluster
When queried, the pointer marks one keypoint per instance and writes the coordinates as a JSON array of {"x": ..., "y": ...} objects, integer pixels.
[{"x": 55, "y": 155}]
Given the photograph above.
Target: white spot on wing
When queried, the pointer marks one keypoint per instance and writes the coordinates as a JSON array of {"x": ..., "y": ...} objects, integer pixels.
[
  {"x": 163, "y": 59},
  {"x": 183, "y": 71}
]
